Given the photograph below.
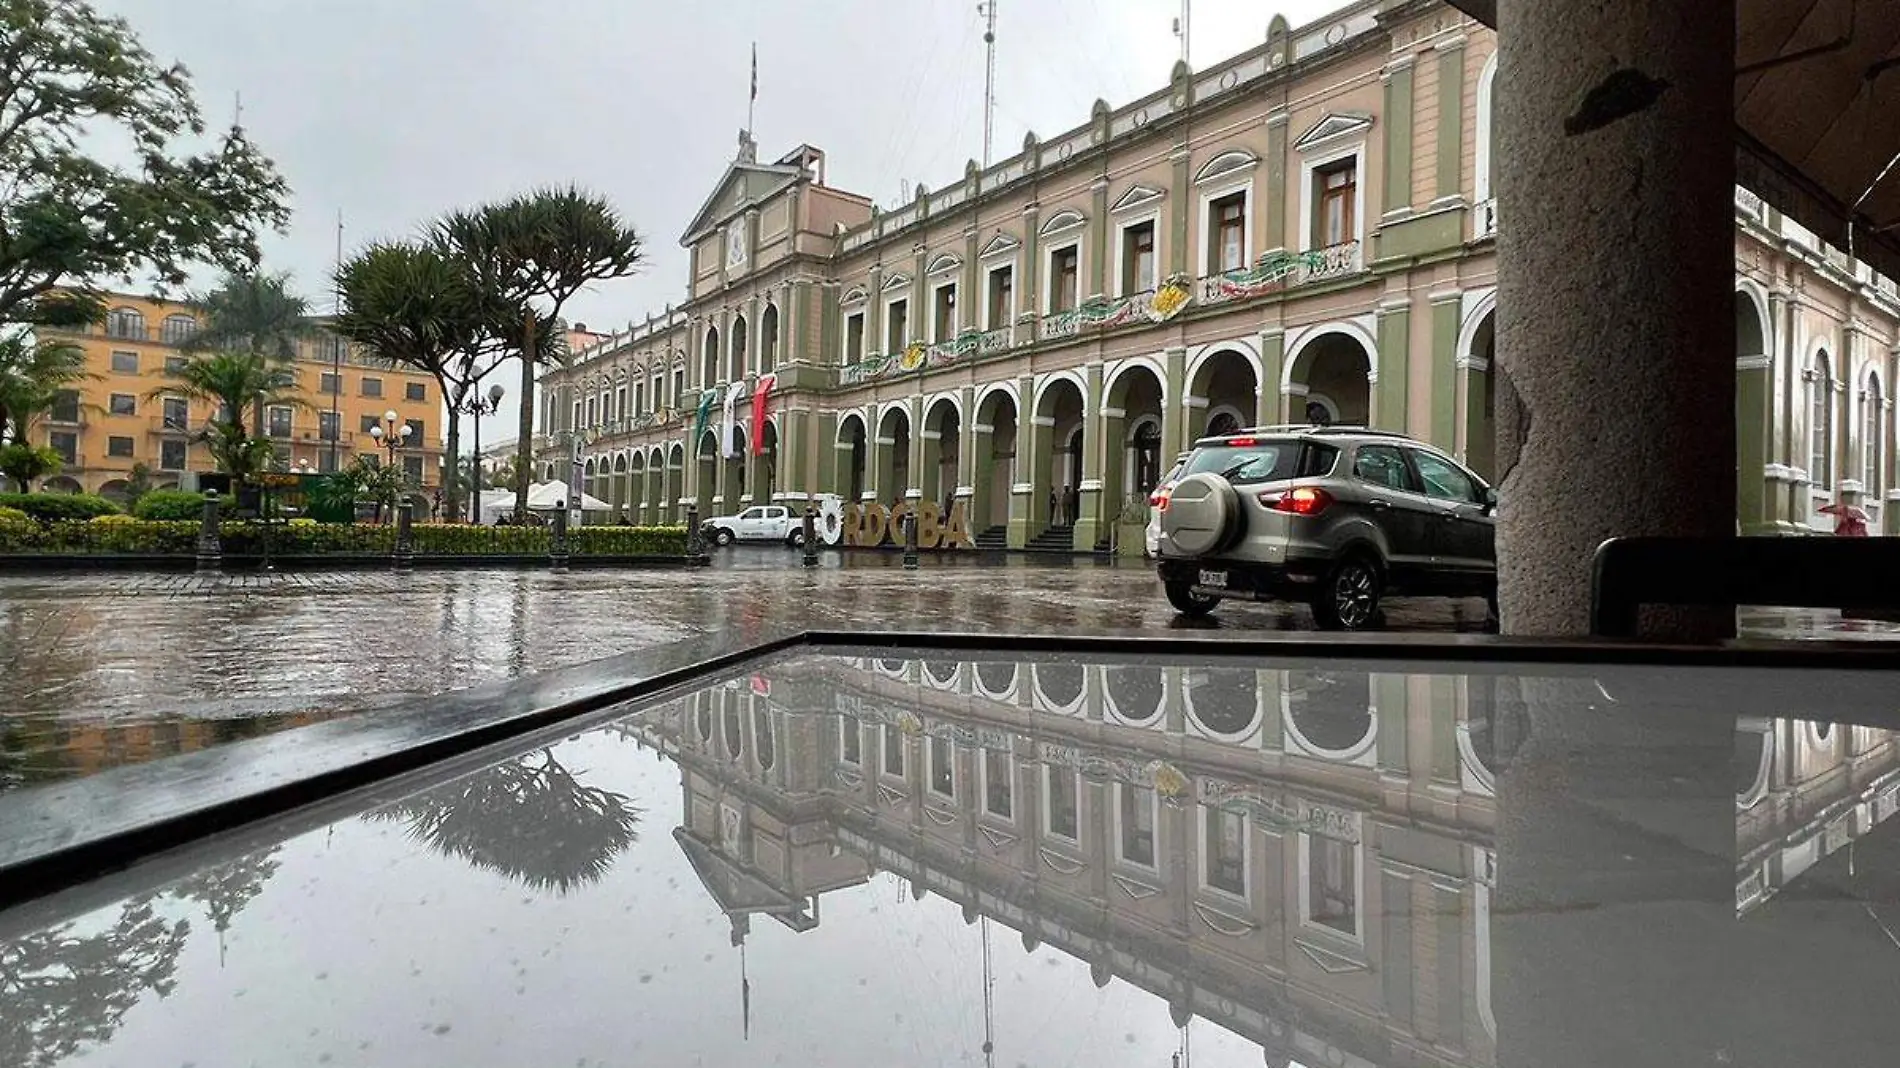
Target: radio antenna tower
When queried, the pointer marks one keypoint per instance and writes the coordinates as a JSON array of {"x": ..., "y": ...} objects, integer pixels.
[{"x": 988, "y": 10}]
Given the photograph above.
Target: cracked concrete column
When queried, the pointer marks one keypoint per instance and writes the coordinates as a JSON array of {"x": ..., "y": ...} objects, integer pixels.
[{"x": 1615, "y": 128}]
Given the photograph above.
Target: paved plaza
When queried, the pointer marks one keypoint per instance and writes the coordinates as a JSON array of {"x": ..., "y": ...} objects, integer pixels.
[{"x": 106, "y": 669}]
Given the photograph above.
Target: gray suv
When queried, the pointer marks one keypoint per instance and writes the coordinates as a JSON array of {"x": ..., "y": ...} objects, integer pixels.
[{"x": 1337, "y": 517}]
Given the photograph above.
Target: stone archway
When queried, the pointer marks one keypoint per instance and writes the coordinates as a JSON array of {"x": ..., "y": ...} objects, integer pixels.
[
  {"x": 1223, "y": 394},
  {"x": 851, "y": 452},
  {"x": 709, "y": 359},
  {"x": 1478, "y": 399},
  {"x": 706, "y": 474},
  {"x": 589, "y": 479},
  {"x": 942, "y": 433},
  {"x": 738, "y": 487},
  {"x": 994, "y": 454},
  {"x": 735, "y": 366},
  {"x": 1056, "y": 470},
  {"x": 1131, "y": 429},
  {"x": 764, "y": 478},
  {"x": 635, "y": 504},
  {"x": 1753, "y": 402},
  {"x": 622, "y": 497},
  {"x": 891, "y": 456},
  {"x": 1332, "y": 372},
  {"x": 768, "y": 339},
  {"x": 675, "y": 483}
]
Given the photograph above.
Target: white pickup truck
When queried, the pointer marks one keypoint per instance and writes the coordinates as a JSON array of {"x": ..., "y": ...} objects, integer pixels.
[{"x": 763, "y": 522}]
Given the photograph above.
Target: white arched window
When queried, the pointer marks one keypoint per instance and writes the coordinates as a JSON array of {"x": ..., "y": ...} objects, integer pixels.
[
  {"x": 1486, "y": 163},
  {"x": 1873, "y": 438},
  {"x": 1821, "y": 421}
]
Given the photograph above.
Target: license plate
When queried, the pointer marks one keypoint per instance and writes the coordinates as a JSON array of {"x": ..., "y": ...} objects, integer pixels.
[{"x": 1216, "y": 579}]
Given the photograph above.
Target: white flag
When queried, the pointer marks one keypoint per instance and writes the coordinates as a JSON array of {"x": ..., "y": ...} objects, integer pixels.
[{"x": 728, "y": 431}]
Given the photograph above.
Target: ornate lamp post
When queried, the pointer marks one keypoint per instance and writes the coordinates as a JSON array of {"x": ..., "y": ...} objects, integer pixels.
[
  {"x": 479, "y": 406},
  {"x": 396, "y": 436}
]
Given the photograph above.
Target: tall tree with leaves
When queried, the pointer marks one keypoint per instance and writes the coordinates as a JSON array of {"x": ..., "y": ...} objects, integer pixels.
[
  {"x": 416, "y": 304},
  {"x": 534, "y": 252},
  {"x": 235, "y": 382},
  {"x": 70, "y": 80}
]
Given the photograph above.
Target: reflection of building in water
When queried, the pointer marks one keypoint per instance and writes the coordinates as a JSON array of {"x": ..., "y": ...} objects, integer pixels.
[
  {"x": 1302, "y": 857},
  {"x": 1803, "y": 791}
]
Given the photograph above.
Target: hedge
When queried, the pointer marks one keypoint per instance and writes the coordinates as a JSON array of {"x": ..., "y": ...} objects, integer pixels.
[
  {"x": 170, "y": 504},
  {"x": 244, "y": 538},
  {"x": 53, "y": 507}
]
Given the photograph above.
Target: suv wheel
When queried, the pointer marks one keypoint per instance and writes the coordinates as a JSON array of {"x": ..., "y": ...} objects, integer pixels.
[
  {"x": 796, "y": 539},
  {"x": 1349, "y": 598},
  {"x": 722, "y": 537},
  {"x": 1185, "y": 601}
]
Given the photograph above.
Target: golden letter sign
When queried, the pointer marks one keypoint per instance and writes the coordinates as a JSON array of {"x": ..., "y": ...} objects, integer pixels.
[{"x": 873, "y": 524}]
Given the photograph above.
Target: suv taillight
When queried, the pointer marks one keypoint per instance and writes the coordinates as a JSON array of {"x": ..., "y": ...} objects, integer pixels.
[
  {"x": 1159, "y": 500},
  {"x": 1300, "y": 500}
]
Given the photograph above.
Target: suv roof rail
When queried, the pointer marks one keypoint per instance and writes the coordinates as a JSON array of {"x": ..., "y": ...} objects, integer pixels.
[{"x": 1309, "y": 428}]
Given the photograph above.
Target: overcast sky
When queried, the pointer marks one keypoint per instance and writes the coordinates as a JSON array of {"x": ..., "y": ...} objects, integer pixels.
[{"x": 391, "y": 111}]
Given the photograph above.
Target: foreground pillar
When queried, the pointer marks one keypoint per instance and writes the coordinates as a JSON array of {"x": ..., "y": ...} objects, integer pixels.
[{"x": 1615, "y": 128}]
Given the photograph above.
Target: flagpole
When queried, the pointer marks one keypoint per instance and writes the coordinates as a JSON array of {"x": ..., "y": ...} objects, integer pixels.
[{"x": 753, "y": 99}]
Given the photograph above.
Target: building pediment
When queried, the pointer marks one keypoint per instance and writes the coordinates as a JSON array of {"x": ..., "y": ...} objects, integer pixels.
[
  {"x": 1001, "y": 244},
  {"x": 1066, "y": 219},
  {"x": 1137, "y": 196},
  {"x": 1333, "y": 129},
  {"x": 1234, "y": 161},
  {"x": 942, "y": 262},
  {"x": 743, "y": 186}
]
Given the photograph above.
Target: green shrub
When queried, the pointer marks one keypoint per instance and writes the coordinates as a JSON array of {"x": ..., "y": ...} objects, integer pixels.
[
  {"x": 456, "y": 539},
  {"x": 628, "y": 541},
  {"x": 126, "y": 536},
  {"x": 52, "y": 507},
  {"x": 14, "y": 515},
  {"x": 109, "y": 520},
  {"x": 170, "y": 504}
]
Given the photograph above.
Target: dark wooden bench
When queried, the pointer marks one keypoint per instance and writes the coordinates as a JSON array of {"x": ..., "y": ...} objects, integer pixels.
[{"x": 1856, "y": 575}]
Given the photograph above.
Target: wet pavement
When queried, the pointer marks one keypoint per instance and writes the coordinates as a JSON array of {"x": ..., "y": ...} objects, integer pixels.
[
  {"x": 836, "y": 859},
  {"x": 116, "y": 668}
]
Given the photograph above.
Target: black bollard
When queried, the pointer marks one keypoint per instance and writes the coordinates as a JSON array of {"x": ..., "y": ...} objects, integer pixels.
[
  {"x": 811, "y": 537},
  {"x": 557, "y": 545},
  {"x": 910, "y": 541},
  {"x": 695, "y": 547},
  {"x": 210, "y": 547},
  {"x": 405, "y": 549}
]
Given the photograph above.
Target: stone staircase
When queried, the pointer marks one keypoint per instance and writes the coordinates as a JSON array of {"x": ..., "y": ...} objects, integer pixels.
[
  {"x": 995, "y": 539},
  {"x": 1054, "y": 540}
]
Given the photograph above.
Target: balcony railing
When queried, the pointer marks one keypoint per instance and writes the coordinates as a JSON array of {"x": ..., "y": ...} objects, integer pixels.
[
  {"x": 1280, "y": 271},
  {"x": 1749, "y": 204}
]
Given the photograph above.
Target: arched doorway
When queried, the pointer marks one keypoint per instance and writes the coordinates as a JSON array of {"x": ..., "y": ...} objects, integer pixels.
[
  {"x": 623, "y": 490},
  {"x": 765, "y": 464},
  {"x": 1332, "y": 370},
  {"x": 892, "y": 455},
  {"x": 737, "y": 489},
  {"x": 1056, "y": 495},
  {"x": 850, "y": 455},
  {"x": 115, "y": 490},
  {"x": 1229, "y": 389},
  {"x": 1479, "y": 399},
  {"x": 735, "y": 367},
  {"x": 637, "y": 490},
  {"x": 675, "y": 488},
  {"x": 768, "y": 339},
  {"x": 942, "y": 432},
  {"x": 589, "y": 484},
  {"x": 706, "y": 476},
  {"x": 994, "y": 451},
  {"x": 1753, "y": 401},
  {"x": 709, "y": 359},
  {"x": 1131, "y": 423}
]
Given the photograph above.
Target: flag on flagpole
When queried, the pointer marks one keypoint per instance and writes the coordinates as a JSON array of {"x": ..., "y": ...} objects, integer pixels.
[{"x": 755, "y": 70}]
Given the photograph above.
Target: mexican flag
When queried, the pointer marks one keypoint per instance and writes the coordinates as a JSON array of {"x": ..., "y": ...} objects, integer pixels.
[{"x": 705, "y": 413}]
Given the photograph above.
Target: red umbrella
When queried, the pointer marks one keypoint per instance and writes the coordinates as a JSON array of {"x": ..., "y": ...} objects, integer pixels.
[{"x": 1850, "y": 520}]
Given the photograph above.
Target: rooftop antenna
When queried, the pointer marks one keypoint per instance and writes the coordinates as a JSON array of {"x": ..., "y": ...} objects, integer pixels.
[
  {"x": 336, "y": 342},
  {"x": 752, "y": 100},
  {"x": 988, "y": 10},
  {"x": 1182, "y": 27}
]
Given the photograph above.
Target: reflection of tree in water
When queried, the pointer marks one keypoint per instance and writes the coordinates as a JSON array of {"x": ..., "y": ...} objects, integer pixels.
[
  {"x": 529, "y": 819},
  {"x": 227, "y": 888},
  {"x": 62, "y": 990}
]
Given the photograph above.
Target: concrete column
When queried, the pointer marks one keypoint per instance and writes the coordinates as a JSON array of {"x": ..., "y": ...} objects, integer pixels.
[
  {"x": 1398, "y": 134},
  {"x": 880, "y": 468},
  {"x": 1614, "y": 126},
  {"x": 1446, "y": 309},
  {"x": 1026, "y": 509},
  {"x": 1451, "y": 120},
  {"x": 1181, "y": 212},
  {"x": 1095, "y": 510},
  {"x": 965, "y": 489},
  {"x": 1172, "y": 414},
  {"x": 1268, "y": 407},
  {"x": 873, "y": 313},
  {"x": 915, "y": 473},
  {"x": 1273, "y": 230},
  {"x": 1390, "y": 390},
  {"x": 1100, "y": 237},
  {"x": 1028, "y": 291}
]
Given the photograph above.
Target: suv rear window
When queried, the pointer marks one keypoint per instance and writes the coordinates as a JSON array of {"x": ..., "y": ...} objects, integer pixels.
[{"x": 1265, "y": 461}]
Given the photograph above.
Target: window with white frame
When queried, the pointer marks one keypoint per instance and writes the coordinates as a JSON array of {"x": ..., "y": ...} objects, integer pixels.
[
  {"x": 1000, "y": 308},
  {"x": 1335, "y": 201},
  {"x": 1224, "y": 851},
  {"x": 893, "y": 764},
  {"x": 1872, "y": 435},
  {"x": 1135, "y": 812},
  {"x": 1486, "y": 164},
  {"x": 943, "y": 312},
  {"x": 1137, "y": 260},
  {"x": 576, "y": 421},
  {"x": 1065, "y": 277},
  {"x": 896, "y": 325},
  {"x": 620, "y": 402},
  {"x": 679, "y": 383},
  {"x": 1227, "y": 232},
  {"x": 593, "y": 411},
  {"x": 999, "y": 784},
  {"x": 1329, "y": 894},
  {"x": 1821, "y": 421},
  {"x": 942, "y": 768},
  {"x": 850, "y": 742},
  {"x": 853, "y": 338},
  {"x": 1061, "y": 804}
]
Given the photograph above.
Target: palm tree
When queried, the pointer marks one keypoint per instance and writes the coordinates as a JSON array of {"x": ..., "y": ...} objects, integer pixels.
[
  {"x": 32, "y": 375},
  {"x": 414, "y": 303},
  {"x": 533, "y": 253},
  {"x": 234, "y": 381},
  {"x": 252, "y": 313}
]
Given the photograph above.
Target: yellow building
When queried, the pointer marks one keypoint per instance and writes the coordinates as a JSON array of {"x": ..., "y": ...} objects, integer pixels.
[{"x": 120, "y": 416}]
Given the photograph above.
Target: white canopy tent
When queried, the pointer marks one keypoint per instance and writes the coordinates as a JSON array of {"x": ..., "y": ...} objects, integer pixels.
[{"x": 542, "y": 497}]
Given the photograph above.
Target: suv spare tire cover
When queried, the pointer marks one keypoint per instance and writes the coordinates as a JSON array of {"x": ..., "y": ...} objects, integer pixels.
[{"x": 1202, "y": 511}]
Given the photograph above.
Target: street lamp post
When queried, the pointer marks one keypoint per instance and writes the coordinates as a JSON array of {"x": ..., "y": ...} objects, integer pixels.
[
  {"x": 396, "y": 436},
  {"x": 479, "y": 406}
]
